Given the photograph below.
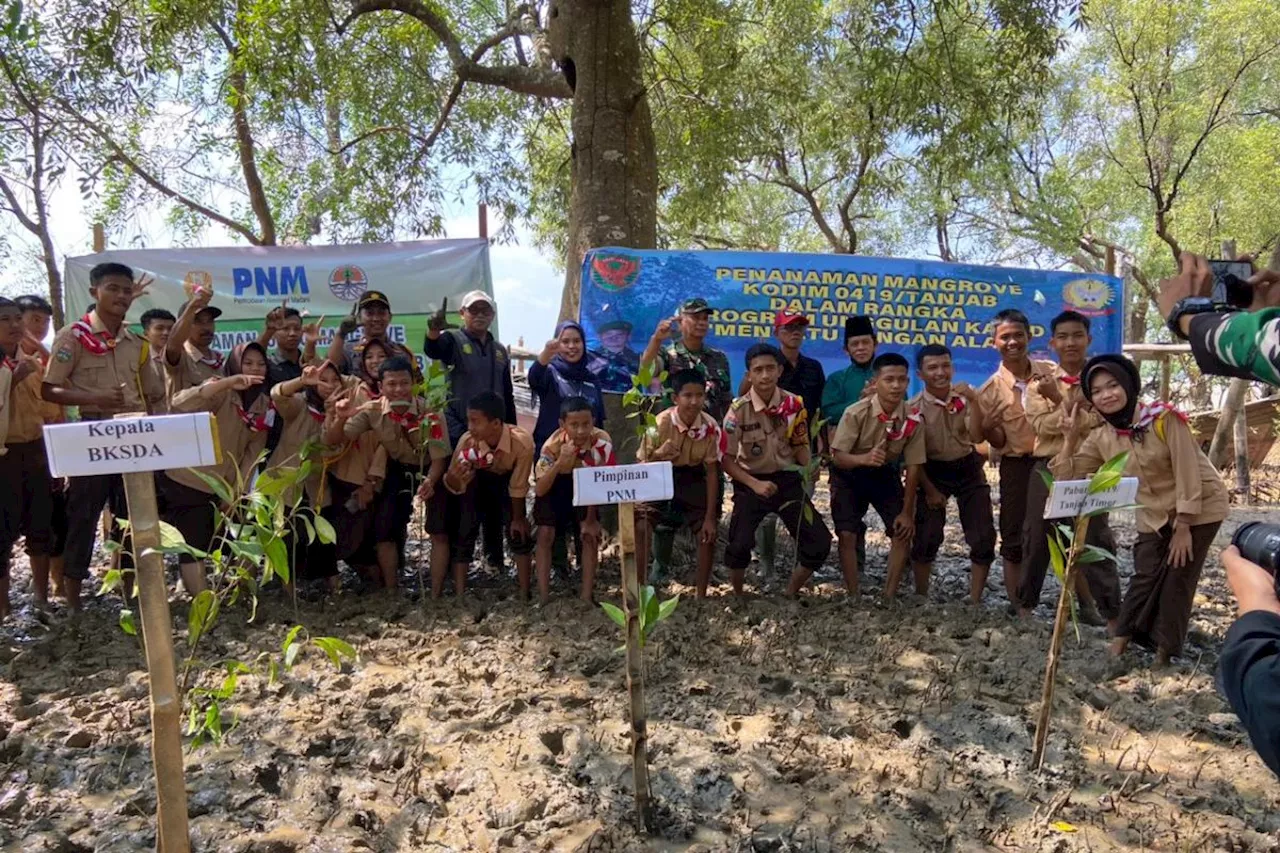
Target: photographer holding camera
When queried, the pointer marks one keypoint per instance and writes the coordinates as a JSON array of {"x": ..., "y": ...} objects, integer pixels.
[
  {"x": 1250, "y": 661},
  {"x": 1231, "y": 322}
]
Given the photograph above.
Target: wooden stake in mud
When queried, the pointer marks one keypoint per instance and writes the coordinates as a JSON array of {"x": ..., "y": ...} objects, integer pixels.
[
  {"x": 1060, "y": 621},
  {"x": 157, "y": 631},
  {"x": 635, "y": 662}
]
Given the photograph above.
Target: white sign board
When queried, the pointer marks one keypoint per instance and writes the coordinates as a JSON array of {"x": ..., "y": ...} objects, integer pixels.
[
  {"x": 162, "y": 443},
  {"x": 623, "y": 484},
  {"x": 1071, "y": 497}
]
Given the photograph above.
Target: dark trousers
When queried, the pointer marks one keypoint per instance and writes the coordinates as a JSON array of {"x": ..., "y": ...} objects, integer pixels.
[
  {"x": 86, "y": 496},
  {"x": 30, "y": 506},
  {"x": 1016, "y": 474},
  {"x": 486, "y": 501},
  {"x": 1157, "y": 605},
  {"x": 964, "y": 480},
  {"x": 1102, "y": 577},
  {"x": 789, "y": 503}
]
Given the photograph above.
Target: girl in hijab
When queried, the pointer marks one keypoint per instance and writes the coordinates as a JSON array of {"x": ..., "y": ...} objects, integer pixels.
[
  {"x": 560, "y": 372},
  {"x": 1182, "y": 500},
  {"x": 241, "y": 403},
  {"x": 374, "y": 354}
]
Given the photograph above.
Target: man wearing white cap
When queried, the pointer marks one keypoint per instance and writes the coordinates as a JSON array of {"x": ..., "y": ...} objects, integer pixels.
[{"x": 478, "y": 363}]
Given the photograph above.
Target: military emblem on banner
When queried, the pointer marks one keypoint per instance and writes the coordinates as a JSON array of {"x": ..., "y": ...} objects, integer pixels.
[
  {"x": 1089, "y": 296},
  {"x": 348, "y": 282},
  {"x": 614, "y": 271}
]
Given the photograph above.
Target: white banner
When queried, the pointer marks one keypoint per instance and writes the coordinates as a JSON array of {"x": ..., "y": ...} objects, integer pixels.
[
  {"x": 248, "y": 281},
  {"x": 116, "y": 446}
]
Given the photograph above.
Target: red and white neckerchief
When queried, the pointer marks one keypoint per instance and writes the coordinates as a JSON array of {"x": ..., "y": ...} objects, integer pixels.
[
  {"x": 10, "y": 363},
  {"x": 257, "y": 423},
  {"x": 1069, "y": 380},
  {"x": 317, "y": 415},
  {"x": 475, "y": 458},
  {"x": 82, "y": 331},
  {"x": 893, "y": 432},
  {"x": 953, "y": 405},
  {"x": 409, "y": 420},
  {"x": 703, "y": 428},
  {"x": 599, "y": 453},
  {"x": 789, "y": 410},
  {"x": 213, "y": 361},
  {"x": 1146, "y": 415}
]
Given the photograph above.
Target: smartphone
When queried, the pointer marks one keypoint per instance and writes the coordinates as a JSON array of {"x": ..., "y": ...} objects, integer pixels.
[{"x": 1231, "y": 283}]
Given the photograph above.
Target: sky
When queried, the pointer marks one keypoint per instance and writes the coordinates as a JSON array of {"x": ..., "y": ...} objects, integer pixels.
[{"x": 527, "y": 283}]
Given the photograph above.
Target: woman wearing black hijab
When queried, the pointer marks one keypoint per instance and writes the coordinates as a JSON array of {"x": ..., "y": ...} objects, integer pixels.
[{"x": 1182, "y": 500}]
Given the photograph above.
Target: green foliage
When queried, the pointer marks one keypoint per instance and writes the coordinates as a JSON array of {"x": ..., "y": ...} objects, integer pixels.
[
  {"x": 650, "y": 613},
  {"x": 1108, "y": 476}
]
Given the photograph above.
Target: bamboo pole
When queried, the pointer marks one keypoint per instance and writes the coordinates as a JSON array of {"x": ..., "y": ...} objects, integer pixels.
[
  {"x": 99, "y": 237},
  {"x": 157, "y": 630},
  {"x": 1060, "y": 621},
  {"x": 635, "y": 663}
]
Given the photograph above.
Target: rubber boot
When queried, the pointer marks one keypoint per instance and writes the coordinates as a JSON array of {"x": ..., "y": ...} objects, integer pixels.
[{"x": 664, "y": 543}]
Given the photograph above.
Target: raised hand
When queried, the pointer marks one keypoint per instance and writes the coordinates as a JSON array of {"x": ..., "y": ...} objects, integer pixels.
[
  {"x": 243, "y": 381},
  {"x": 142, "y": 282},
  {"x": 665, "y": 328},
  {"x": 348, "y": 325},
  {"x": 311, "y": 331},
  {"x": 311, "y": 376},
  {"x": 964, "y": 389},
  {"x": 568, "y": 458},
  {"x": 440, "y": 320}
]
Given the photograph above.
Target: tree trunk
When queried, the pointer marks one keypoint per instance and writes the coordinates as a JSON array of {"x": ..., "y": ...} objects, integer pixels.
[{"x": 614, "y": 165}]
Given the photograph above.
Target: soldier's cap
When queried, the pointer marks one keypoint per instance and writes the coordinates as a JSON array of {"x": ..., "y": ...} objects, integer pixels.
[
  {"x": 373, "y": 297},
  {"x": 208, "y": 309},
  {"x": 788, "y": 318},
  {"x": 614, "y": 323},
  {"x": 697, "y": 305},
  {"x": 478, "y": 296}
]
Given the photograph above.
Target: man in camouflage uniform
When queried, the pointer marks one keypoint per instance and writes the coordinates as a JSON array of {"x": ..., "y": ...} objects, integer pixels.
[{"x": 690, "y": 352}]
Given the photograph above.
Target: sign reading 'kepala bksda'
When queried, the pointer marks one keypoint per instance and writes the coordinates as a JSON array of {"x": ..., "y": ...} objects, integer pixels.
[{"x": 118, "y": 446}]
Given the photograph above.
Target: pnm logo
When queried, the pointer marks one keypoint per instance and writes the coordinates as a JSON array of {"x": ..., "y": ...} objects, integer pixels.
[
  {"x": 348, "y": 282},
  {"x": 614, "y": 272}
]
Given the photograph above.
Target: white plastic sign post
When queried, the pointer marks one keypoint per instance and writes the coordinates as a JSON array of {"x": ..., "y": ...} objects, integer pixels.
[
  {"x": 1070, "y": 498},
  {"x": 123, "y": 445},
  {"x": 618, "y": 484}
]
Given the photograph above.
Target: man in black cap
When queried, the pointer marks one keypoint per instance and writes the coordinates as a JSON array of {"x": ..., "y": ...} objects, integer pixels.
[
  {"x": 690, "y": 352},
  {"x": 845, "y": 388},
  {"x": 372, "y": 314},
  {"x": 189, "y": 355},
  {"x": 615, "y": 362}
]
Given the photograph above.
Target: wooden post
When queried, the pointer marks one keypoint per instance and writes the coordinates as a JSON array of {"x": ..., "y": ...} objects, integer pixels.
[
  {"x": 635, "y": 663},
  {"x": 484, "y": 221},
  {"x": 99, "y": 237},
  {"x": 1240, "y": 438},
  {"x": 1165, "y": 371},
  {"x": 157, "y": 630},
  {"x": 1060, "y": 621}
]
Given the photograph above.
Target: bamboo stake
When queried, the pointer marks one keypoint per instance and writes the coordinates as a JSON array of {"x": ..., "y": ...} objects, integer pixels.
[
  {"x": 157, "y": 628},
  {"x": 635, "y": 670},
  {"x": 1060, "y": 621}
]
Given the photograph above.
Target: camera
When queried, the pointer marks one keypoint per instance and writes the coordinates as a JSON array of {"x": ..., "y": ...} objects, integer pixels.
[
  {"x": 1259, "y": 542},
  {"x": 1231, "y": 288}
]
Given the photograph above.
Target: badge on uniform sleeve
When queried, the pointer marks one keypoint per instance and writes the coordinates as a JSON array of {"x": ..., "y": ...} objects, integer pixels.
[{"x": 63, "y": 354}]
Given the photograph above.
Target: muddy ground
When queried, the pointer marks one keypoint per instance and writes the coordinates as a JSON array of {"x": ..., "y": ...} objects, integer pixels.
[{"x": 774, "y": 725}]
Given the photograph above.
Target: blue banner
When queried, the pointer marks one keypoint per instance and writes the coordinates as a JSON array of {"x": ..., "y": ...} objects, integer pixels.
[{"x": 627, "y": 292}]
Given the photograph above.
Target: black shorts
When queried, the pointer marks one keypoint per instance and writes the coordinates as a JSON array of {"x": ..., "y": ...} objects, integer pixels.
[
  {"x": 191, "y": 511},
  {"x": 393, "y": 507},
  {"x": 688, "y": 506},
  {"x": 1016, "y": 473},
  {"x": 488, "y": 498},
  {"x": 854, "y": 490},
  {"x": 556, "y": 509},
  {"x": 353, "y": 531},
  {"x": 32, "y": 509}
]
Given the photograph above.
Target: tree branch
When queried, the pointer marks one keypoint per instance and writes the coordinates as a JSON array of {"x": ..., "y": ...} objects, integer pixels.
[{"x": 15, "y": 207}]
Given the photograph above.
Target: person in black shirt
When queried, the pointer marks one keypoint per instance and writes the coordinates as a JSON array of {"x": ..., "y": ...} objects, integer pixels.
[
  {"x": 1250, "y": 660},
  {"x": 804, "y": 377},
  {"x": 285, "y": 362}
]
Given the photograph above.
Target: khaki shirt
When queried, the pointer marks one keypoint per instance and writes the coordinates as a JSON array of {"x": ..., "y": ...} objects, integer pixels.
[
  {"x": 599, "y": 447},
  {"x": 124, "y": 364},
  {"x": 241, "y": 445},
  {"x": 1046, "y": 416},
  {"x": 1174, "y": 475},
  {"x": 762, "y": 443},
  {"x": 160, "y": 376},
  {"x": 356, "y": 461},
  {"x": 401, "y": 442},
  {"x": 28, "y": 410},
  {"x": 6, "y": 408},
  {"x": 193, "y": 368},
  {"x": 514, "y": 453},
  {"x": 946, "y": 426},
  {"x": 866, "y": 424},
  {"x": 696, "y": 445},
  {"x": 302, "y": 426},
  {"x": 1008, "y": 394}
]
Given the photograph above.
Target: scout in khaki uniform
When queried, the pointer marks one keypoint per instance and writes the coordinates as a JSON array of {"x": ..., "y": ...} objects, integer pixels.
[
  {"x": 301, "y": 405},
  {"x": 766, "y": 432},
  {"x": 576, "y": 444},
  {"x": 1181, "y": 498},
  {"x": 157, "y": 324},
  {"x": 102, "y": 367},
  {"x": 417, "y": 447},
  {"x": 372, "y": 316},
  {"x": 690, "y": 440},
  {"x": 872, "y": 435},
  {"x": 42, "y": 521},
  {"x": 1098, "y": 583},
  {"x": 12, "y": 376},
  {"x": 953, "y": 421},
  {"x": 353, "y": 474},
  {"x": 1012, "y": 438},
  {"x": 490, "y": 472},
  {"x": 241, "y": 404}
]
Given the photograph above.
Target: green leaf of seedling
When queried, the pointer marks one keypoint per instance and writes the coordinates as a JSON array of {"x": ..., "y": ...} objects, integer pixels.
[
  {"x": 1047, "y": 476},
  {"x": 272, "y": 482},
  {"x": 220, "y": 486},
  {"x": 336, "y": 649},
  {"x": 649, "y": 607},
  {"x": 127, "y": 624},
  {"x": 1103, "y": 480},
  {"x": 111, "y": 581},
  {"x": 291, "y": 637},
  {"x": 111, "y": 546},
  {"x": 615, "y": 613},
  {"x": 325, "y": 531},
  {"x": 1094, "y": 554},
  {"x": 309, "y": 528},
  {"x": 1056, "y": 558},
  {"x": 668, "y": 607},
  {"x": 204, "y": 608},
  {"x": 291, "y": 655},
  {"x": 278, "y": 558},
  {"x": 1116, "y": 463},
  {"x": 213, "y": 722}
]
